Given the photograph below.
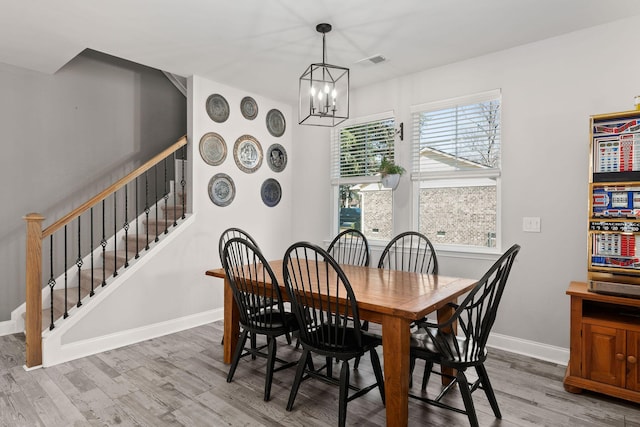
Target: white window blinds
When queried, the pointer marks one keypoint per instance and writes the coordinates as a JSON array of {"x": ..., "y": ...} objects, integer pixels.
[
  {"x": 358, "y": 148},
  {"x": 457, "y": 137}
]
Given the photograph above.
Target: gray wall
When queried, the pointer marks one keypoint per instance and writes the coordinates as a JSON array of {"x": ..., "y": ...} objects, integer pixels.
[{"x": 67, "y": 136}]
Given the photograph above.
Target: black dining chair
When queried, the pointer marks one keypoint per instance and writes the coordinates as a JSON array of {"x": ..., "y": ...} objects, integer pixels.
[
  {"x": 465, "y": 348},
  {"x": 324, "y": 305},
  {"x": 410, "y": 251},
  {"x": 257, "y": 294},
  {"x": 227, "y": 235},
  {"x": 351, "y": 247}
]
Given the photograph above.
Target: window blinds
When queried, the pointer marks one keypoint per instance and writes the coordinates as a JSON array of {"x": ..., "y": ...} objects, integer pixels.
[
  {"x": 457, "y": 137},
  {"x": 359, "y": 147}
]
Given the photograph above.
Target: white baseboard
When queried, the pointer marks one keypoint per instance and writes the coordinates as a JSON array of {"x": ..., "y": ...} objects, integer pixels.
[
  {"x": 9, "y": 327},
  {"x": 65, "y": 353},
  {"x": 533, "y": 349}
]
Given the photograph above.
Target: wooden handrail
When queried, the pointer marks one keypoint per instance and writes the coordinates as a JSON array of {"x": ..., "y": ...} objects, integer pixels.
[{"x": 111, "y": 189}]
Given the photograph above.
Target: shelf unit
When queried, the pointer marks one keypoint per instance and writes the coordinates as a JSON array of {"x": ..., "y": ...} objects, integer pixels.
[{"x": 605, "y": 311}]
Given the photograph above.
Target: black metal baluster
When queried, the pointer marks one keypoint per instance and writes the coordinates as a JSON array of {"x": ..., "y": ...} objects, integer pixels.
[
  {"x": 66, "y": 313},
  {"x": 52, "y": 281},
  {"x": 175, "y": 191},
  {"x": 146, "y": 206},
  {"x": 115, "y": 232},
  {"x": 126, "y": 226},
  {"x": 103, "y": 243},
  {"x": 79, "y": 264},
  {"x": 165, "y": 197},
  {"x": 155, "y": 175},
  {"x": 183, "y": 183},
  {"x": 137, "y": 223},
  {"x": 92, "y": 292}
]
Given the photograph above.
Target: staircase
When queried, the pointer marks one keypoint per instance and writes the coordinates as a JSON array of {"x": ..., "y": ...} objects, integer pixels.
[
  {"x": 83, "y": 252},
  {"x": 91, "y": 280}
]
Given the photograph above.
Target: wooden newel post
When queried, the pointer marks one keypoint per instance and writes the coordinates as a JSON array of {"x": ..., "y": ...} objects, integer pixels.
[{"x": 33, "y": 321}]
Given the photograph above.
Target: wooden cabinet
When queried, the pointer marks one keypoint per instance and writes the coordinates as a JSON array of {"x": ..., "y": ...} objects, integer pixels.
[{"x": 605, "y": 344}]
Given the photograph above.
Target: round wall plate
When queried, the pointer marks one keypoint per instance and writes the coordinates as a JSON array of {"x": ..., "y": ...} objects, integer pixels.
[
  {"x": 247, "y": 152},
  {"x": 213, "y": 149},
  {"x": 249, "y": 108},
  {"x": 277, "y": 157},
  {"x": 217, "y": 108},
  {"x": 275, "y": 123},
  {"x": 271, "y": 192},
  {"x": 222, "y": 190}
]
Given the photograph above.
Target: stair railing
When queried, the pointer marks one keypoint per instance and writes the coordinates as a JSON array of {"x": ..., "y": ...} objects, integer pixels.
[{"x": 135, "y": 198}]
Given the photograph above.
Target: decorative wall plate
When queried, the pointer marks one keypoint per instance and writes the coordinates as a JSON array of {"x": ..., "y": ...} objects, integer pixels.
[
  {"x": 277, "y": 157},
  {"x": 222, "y": 190},
  {"x": 271, "y": 192},
  {"x": 249, "y": 108},
  {"x": 213, "y": 149},
  {"x": 275, "y": 123},
  {"x": 247, "y": 153},
  {"x": 217, "y": 108}
]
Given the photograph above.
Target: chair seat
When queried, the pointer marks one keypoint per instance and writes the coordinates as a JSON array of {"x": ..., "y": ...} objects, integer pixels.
[
  {"x": 423, "y": 347},
  {"x": 273, "y": 322},
  {"x": 350, "y": 348}
]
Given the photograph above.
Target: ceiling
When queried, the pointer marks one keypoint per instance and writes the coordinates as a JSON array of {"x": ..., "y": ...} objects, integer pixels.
[{"x": 263, "y": 46}]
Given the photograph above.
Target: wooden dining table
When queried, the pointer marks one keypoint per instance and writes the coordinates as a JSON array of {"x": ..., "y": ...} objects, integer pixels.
[{"x": 391, "y": 298}]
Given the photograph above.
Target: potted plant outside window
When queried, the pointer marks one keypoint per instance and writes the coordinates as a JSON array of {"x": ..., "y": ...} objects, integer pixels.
[{"x": 390, "y": 173}]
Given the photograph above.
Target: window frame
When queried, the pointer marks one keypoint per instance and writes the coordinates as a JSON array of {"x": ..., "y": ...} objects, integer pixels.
[
  {"x": 418, "y": 176},
  {"x": 336, "y": 181}
]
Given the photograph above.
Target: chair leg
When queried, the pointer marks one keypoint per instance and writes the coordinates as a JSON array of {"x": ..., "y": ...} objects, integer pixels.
[
  {"x": 253, "y": 346},
  {"x": 330, "y": 366},
  {"x": 488, "y": 390},
  {"x": 412, "y": 366},
  {"x": 377, "y": 370},
  {"x": 428, "y": 367},
  {"x": 344, "y": 394},
  {"x": 463, "y": 384},
  {"x": 302, "y": 363},
  {"x": 236, "y": 356},
  {"x": 356, "y": 363},
  {"x": 271, "y": 361}
]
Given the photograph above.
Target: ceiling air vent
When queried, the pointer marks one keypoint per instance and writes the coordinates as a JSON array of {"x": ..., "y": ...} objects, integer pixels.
[{"x": 375, "y": 59}]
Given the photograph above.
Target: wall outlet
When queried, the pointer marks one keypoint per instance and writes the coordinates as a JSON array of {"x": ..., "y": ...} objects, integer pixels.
[{"x": 531, "y": 224}]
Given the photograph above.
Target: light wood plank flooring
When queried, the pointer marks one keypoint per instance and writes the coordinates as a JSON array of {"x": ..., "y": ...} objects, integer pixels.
[{"x": 180, "y": 380}]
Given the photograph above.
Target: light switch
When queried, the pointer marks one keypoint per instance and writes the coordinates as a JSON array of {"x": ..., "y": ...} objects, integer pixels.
[{"x": 531, "y": 224}]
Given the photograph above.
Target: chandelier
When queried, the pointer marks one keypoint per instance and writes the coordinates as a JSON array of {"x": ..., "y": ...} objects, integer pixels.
[{"x": 323, "y": 91}]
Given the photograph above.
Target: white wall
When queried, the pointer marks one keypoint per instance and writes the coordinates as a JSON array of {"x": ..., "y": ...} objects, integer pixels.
[
  {"x": 270, "y": 226},
  {"x": 549, "y": 90}
]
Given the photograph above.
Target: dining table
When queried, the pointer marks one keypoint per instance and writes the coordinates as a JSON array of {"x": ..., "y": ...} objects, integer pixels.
[{"x": 391, "y": 298}]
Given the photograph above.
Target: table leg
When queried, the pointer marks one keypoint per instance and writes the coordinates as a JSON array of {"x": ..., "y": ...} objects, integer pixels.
[
  {"x": 395, "y": 348},
  {"x": 444, "y": 313},
  {"x": 231, "y": 323}
]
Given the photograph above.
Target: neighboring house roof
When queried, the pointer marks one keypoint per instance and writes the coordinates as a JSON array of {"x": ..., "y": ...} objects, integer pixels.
[{"x": 431, "y": 155}]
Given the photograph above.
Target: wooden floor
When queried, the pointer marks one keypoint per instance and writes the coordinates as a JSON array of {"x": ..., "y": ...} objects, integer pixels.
[{"x": 180, "y": 380}]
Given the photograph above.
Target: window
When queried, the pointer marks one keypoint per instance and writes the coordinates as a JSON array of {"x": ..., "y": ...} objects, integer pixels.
[
  {"x": 362, "y": 203},
  {"x": 456, "y": 170}
]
